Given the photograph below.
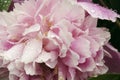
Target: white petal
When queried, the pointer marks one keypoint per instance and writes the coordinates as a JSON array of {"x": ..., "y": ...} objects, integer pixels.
[
  {"x": 14, "y": 53},
  {"x": 33, "y": 28},
  {"x": 31, "y": 51}
]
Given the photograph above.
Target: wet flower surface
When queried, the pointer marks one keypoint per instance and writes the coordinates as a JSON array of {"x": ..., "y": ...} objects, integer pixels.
[{"x": 53, "y": 40}]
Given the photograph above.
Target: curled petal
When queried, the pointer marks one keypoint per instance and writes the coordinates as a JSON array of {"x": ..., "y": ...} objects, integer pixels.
[
  {"x": 89, "y": 65},
  {"x": 32, "y": 69},
  {"x": 31, "y": 29},
  {"x": 72, "y": 59},
  {"x": 114, "y": 60},
  {"x": 48, "y": 57},
  {"x": 97, "y": 11},
  {"x": 81, "y": 46},
  {"x": 14, "y": 53}
]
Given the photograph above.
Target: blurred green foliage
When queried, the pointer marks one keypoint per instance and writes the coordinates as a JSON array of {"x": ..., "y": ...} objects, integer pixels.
[
  {"x": 107, "y": 77},
  {"x": 4, "y": 4}
]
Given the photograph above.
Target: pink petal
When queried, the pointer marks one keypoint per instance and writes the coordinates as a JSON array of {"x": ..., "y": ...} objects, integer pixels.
[
  {"x": 89, "y": 23},
  {"x": 94, "y": 46},
  {"x": 89, "y": 65},
  {"x": 99, "y": 57},
  {"x": 81, "y": 46},
  {"x": 4, "y": 18},
  {"x": 114, "y": 60},
  {"x": 5, "y": 45},
  {"x": 45, "y": 7},
  {"x": 23, "y": 77},
  {"x": 28, "y": 7},
  {"x": 51, "y": 64},
  {"x": 76, "y": 15},
  {"x": 31, "y": 51},
  {"x": 101, "y": 69},
  {"x": 14, "y": 53},
  {"x": 64, "y": 34},
  {"x": 30, "y": 69},
  {"x": 13, "y": 77},
  {"x": 101, "y": 35},
  {"x": 97, "y": 11},
  {"x": 3, "y": 32},
  {"x": 50, "y": 44},
  {"x": 71, "y": 59},
  {"x": 72, "y": 74},
  {"x": 12, "y": 68},
  {"x": 18, "y": 65},
  {"x": 63, "y": 7},
  {"x": 31, "y": 29},
  {"x": 59, "y": 42},
  {"x": 73, "y": 13},
  {"x": 48, "y": 57},
  {"x": 62, "y": 71}
]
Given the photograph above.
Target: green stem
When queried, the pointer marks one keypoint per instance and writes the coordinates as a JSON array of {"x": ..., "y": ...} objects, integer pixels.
[{"x": 118, "y": 22}]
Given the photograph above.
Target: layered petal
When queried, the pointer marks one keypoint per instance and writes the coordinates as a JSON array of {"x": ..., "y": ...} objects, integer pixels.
[
  {"x": 14, "y": 53},
  {"x": 33, "y": 46},
  {"x": 97, "y": 11},
  {"x": 82, "y": 47}
]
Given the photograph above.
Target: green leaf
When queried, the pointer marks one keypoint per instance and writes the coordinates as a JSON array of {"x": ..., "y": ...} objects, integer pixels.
[
  {"x": 107, "y": 77},
  {"x": 4, "y": 4}
]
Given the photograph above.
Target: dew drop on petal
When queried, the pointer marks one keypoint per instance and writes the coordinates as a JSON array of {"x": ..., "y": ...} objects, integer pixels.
[{"x": 93, "y": 11}]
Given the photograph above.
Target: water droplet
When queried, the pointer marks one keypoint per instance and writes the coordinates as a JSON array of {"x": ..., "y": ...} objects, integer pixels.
[
  {"x": 92, "y": 11},
  {"x": 5, "y": 1}
]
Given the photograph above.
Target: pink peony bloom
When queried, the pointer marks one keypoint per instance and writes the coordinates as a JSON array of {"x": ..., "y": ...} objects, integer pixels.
[{"x": 53, "y": 39}]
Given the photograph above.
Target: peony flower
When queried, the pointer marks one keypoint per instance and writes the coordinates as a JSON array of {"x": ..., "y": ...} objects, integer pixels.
[{"x": 54, "y": 39}]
